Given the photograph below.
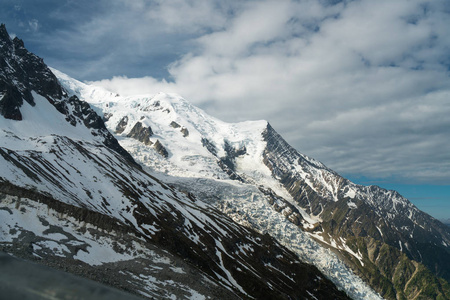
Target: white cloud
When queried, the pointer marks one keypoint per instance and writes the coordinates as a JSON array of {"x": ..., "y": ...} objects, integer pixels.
[
  {"x": 362, "y": 86},
  {"x": 189, "y": 16},
  {"x": 33, "y": 25}
]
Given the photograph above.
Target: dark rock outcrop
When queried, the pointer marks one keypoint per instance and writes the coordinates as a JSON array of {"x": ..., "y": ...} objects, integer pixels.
[
  {"x": 183, "y": 129},
  {"x": 122, "y": 125},
  {"x": 161, "y": 149},
  {"x": 227, "y": 163},
  {"x": 175, "y": 124},
  {"x": 185, "y": 132},
  {"x": 141, "y": 133},
  {"x": 209, "y": 146},
  {"x": 10, "y": 101},
  {"x": 20, "y": 73}
]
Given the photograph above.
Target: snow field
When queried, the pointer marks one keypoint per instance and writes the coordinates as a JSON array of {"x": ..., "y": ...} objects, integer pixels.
[{"x": 196, "y": 168}]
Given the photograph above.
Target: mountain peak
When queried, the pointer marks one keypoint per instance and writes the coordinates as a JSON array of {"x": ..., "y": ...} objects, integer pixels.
[
  {"x": 18, "y": 43},
  {"x": 22, "y": 72},
  {"x": 3, "y": 32},
  {"x": 230, "y": 158},
  {"x": 5, "y": 40}
]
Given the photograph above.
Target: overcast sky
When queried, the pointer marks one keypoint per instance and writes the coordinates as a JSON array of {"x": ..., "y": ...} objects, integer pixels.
[{"x": 362, "y": 86}]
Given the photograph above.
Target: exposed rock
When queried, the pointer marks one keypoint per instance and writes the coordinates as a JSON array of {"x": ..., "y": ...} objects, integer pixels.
[
  {"x": 185, "y": 132},
  {"x": 20, "y": 73},
  {"x": 141, "y": 133},
  {"x": 368, "y": 223},
  {"x": 175, "y": 124},
  {"x": 209, "y": 146},
  {"x": 227, "y": 163},
  {"x": 10, "y": 102},
  {"x": 183, "y": 129},
  {"x": 80, "y": 112},
  {"x": 122, "y": 125},
  {"x": 107, "y": 116},
  {"x": 161, "y": 149}
]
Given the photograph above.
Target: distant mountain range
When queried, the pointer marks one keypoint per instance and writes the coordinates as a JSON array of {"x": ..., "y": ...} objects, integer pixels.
[{"x": 153, "y": 196}]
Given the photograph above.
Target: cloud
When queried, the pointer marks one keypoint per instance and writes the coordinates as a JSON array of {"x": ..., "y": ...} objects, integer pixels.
[
  {"x": 190, "y": 16},
  {"x": 104, "y": 39},
  {"x": 125, "y": 86},
  {"x": 362, "y": 86},
  {"x": 33, "y": 25}
]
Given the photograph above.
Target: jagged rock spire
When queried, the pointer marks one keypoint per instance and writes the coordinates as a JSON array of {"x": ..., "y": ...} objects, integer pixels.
[{"x": 20, "y": 73}]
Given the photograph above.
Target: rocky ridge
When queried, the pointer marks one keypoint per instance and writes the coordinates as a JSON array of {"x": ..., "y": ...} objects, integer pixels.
[{"x": 384, "y": 231}]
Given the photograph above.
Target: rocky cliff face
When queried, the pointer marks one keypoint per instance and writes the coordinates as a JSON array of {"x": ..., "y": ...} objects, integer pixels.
[
  {"x": 141, "y": 133},
  {"x": 71, "y": 197},
  {"x": 20, "y": 73},
  {"x": 394, "y": 245}
]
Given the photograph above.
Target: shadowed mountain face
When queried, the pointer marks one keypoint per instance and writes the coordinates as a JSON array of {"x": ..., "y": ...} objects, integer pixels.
[
  {"x": 72, "y": 198},
  {"x": 21, "y": 73}
]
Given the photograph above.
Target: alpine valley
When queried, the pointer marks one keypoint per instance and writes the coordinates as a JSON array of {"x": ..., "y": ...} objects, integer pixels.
[{"x": 149, "y": 196}]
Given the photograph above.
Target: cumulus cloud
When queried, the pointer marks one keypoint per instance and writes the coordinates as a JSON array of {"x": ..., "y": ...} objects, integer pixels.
[
  {"x": 362, "y": 86},
  {"x": 190, "y": 16}
]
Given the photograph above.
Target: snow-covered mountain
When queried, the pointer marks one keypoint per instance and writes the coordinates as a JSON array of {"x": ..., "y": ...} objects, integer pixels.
[
  {"x": 158, "y": 198},
  {"x": 73, "y": 198},
  {"x": 249, "y": 172}
]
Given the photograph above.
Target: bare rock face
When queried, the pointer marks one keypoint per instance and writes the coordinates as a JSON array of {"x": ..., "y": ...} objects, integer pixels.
[
  {"x": 141, "y": 133},
  {"x": 399, "y": 245},
  {"x": 185, "y": 131},
  {"x": 122, "y": 125},
  {"x": 10, "y": 101},
  {"x": 20, "y": 73},
  {"x": 161, "y": 149},
  {"x": 209, "y": 146},
  {"x": 175, "y": 124}
]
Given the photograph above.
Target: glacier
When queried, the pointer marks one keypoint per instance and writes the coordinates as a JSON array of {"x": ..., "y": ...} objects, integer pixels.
[{"x": 191, "y": 166}]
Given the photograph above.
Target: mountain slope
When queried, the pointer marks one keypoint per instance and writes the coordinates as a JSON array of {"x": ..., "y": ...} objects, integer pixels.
[
  {"x": 71, "y": 197},
  {"x": 386, "y": 230},
  {"x": 383, "y": 237},
  {"x": 199, "y": 163}
]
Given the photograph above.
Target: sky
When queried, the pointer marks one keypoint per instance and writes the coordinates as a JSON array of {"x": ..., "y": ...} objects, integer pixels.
[{"x": 363, "y": 86}]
